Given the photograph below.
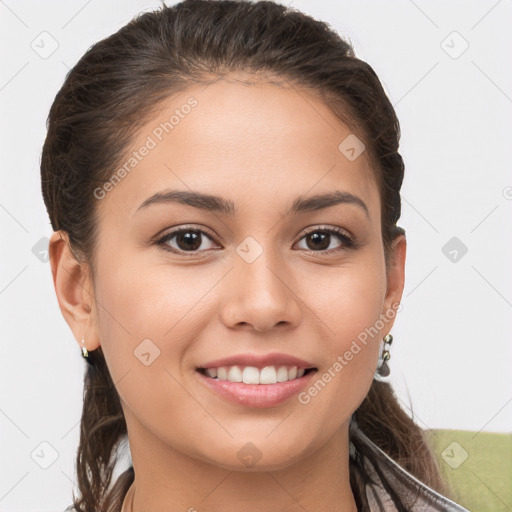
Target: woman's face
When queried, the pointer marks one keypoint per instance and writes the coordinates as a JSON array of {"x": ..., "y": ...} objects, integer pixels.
[{"x": 263, "y": 277}]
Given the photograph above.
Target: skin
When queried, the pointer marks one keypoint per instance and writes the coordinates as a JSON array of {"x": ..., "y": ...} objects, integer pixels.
[{"x": 259, "y": 146}]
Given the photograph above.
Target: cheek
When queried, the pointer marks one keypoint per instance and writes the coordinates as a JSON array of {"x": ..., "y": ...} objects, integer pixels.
[
  {"x": 350, "y": 301},
  {"x": 144, "y": 308},
  {"x": 140, "y": 299},
  {"x": 350, "y": 307},
  {"x": 138, "y": 316}
]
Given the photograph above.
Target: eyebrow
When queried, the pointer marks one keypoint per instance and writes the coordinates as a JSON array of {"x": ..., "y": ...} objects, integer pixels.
[{"x": 225, "y": 206}]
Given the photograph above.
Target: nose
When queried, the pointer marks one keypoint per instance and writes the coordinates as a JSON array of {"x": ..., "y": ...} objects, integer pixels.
[{"x": 261, "y": 295}]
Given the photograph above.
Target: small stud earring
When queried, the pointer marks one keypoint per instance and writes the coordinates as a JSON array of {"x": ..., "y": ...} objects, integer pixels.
[{"x": 85, "y": 353}]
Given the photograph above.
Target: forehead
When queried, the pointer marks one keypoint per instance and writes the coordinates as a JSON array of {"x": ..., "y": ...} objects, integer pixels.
[{"x": 233, "y": 137}]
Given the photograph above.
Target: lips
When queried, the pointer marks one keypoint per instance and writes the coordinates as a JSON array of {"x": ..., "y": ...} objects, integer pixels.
[
  {"x": 256, "y": 380},
  {"x": 256, "y": 395}
]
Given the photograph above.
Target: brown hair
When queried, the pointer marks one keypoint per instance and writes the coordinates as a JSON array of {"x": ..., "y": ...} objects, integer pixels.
[{"x": 113, "y": 90}]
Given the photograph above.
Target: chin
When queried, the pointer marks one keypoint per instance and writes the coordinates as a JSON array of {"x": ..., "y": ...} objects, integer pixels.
[{"x": 254, "y": 457}]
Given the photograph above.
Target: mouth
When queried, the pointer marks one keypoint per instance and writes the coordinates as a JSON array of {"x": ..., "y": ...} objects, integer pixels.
[
  {"x": 256, "y": 375},
  {"x": 256, "y": 387}
]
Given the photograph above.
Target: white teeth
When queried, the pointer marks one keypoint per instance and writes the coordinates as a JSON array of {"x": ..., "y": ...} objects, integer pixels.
[
  {"x": 282, "y": 374},
  {"x": 268, "y": 375},
  {"x": 235, "y": 374},
  {"x": 253, "y": 375}
]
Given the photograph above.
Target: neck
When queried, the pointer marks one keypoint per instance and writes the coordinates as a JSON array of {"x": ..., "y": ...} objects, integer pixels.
[{"x": 167, "y": 479}]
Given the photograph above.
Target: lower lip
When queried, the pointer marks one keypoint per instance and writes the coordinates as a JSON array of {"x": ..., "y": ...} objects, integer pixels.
[{"x": 257, "y": 395}]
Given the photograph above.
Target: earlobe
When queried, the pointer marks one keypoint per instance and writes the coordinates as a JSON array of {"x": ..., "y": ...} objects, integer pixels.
[{"x": 71, "y": 280}]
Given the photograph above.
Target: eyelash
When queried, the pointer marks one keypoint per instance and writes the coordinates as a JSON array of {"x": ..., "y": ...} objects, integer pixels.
[{"x": 348, "y": 241}]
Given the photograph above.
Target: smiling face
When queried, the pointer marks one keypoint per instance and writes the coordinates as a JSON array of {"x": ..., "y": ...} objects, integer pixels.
[{"x": 183, "y": 279}]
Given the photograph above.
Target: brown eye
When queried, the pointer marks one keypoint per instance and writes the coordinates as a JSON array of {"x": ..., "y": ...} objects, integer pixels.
[
  {"x": 185, "y": 240},
  {"x": 320, "y": 240}
]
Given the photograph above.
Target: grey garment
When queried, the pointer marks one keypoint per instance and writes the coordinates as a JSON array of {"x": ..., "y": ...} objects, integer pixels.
[{"x": 386, "y": 476}]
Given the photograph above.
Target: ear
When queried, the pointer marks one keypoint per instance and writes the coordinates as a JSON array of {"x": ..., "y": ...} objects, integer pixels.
[
  {"x": 73, "y": 287},
  {"x": 395, "y": 279}
]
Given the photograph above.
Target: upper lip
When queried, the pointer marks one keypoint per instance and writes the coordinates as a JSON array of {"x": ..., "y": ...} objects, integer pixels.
[{"x": 259, "y": 361}]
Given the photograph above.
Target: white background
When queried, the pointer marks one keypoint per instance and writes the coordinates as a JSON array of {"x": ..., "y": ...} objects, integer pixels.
[{"x": 451, "y": 355}]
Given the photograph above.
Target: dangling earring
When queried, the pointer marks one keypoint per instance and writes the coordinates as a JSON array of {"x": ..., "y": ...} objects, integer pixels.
[
  {"x": 383, "y": 370},
  {"x": 85, "y": 353}
]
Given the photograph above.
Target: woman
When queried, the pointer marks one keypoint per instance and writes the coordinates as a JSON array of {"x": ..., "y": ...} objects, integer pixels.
[{"x": 223, "y": 180}]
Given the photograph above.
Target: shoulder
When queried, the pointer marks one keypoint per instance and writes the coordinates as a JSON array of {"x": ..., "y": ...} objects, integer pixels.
[{"x": 385, "y": 473}]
